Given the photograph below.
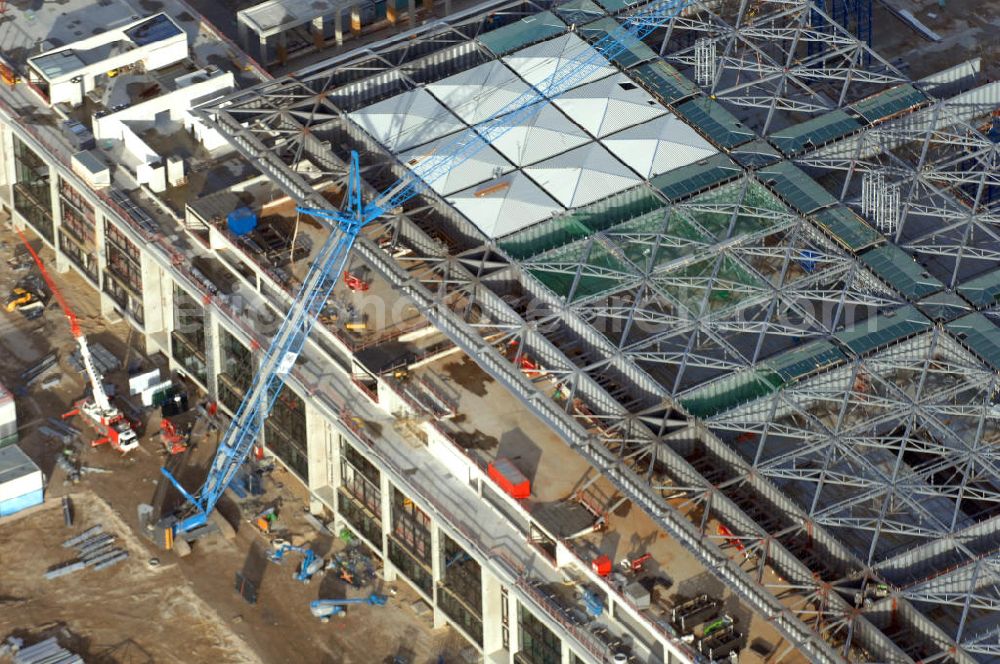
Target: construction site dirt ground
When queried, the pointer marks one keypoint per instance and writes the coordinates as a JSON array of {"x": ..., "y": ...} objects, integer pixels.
[{"x": 174, "y": 610}]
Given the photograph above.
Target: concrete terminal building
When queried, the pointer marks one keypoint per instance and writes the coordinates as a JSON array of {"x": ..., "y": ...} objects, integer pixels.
[{"x": 729, "y": 302}]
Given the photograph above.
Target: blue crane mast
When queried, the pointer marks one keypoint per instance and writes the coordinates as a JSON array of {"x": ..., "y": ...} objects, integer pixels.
[{"x": 346, "y": 224}]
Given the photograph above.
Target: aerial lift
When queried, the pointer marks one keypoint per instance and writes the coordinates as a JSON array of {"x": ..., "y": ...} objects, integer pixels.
[
  {"x": 324, "y": 609},
  {"x": 113, "y": 427},
  {"x": 192, "y": 520},
  {"x": 311, "y": 563}
]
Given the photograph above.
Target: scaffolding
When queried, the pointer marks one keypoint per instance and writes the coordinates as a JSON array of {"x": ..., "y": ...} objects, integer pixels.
[{"x": 758, "y": 331}]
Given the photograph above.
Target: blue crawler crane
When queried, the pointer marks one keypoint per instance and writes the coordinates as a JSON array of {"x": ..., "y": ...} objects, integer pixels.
[{"x": 192, "y": 520}]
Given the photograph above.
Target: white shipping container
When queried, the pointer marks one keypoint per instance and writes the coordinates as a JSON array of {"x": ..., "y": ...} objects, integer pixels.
[
  {"x": 8, "y": 414},
  {"x": 142, "y": 382},
  {"x": 148, "y": 393},
  {"x": 18, "y": 474}
]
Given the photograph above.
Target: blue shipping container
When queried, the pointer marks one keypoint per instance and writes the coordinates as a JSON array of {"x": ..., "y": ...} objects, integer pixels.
[
  {"x": 15, "y": 505},
  {"x": 241, "y": 221}
]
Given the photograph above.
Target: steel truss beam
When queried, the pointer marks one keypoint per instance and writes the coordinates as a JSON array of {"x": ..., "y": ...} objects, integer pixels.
[{"x": 618, "y": 412}]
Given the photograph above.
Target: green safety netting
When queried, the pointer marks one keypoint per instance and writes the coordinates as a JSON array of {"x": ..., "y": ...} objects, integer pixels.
[
  {"x": 580, "y": 223},
  {"x": 690, "y": 283},
  {"x": 733, "y": 390},
  {"x": 584, "y": 265}
]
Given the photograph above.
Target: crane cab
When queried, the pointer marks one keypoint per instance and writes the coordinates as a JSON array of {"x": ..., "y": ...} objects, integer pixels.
[{"x": 122, "y": 437}]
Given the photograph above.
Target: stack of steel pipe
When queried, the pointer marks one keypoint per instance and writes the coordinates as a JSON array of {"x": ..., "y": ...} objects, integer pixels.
[{"x": 95, "y": 549}]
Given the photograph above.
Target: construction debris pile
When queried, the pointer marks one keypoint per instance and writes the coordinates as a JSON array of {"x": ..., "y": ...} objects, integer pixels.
[
  {"x": 353, "y": 566},
  {"x": 45, "y": 652},
  {"x": 95, "y": 550}
]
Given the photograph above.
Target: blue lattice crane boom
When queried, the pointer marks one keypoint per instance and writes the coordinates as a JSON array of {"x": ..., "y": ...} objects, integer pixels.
[{"x": 238, "y": 440}]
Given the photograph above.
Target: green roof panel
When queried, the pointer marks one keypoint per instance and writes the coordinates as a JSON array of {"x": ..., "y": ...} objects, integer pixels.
[
  {"x": 943, "y": 307},
  {"x": 635, "y": 50},
  {"x": 664, "y": 82},
  {"x": 798, "y": 189},
  {"x": 847, "y": 228},
  {"x": 898, "y": 269},
  {"x": 983, "y": 291},
  {"x": 756, "y": 154},
  {"x": 883, "y": 330},
  {"x": 800, "y": 362},
  {"x": 582, "y": 222},
  {"x": 527, "y": 31},
  {"x": 889, "y": 102},
  {"x": 815, "y": 132},
  {"x": 579, "y": 12},
  {"x": 979, "y": 335},
  {"x": 719, "y": 125},
  {"x": 730, "y": 391},
  {"x": 615, "y": 6},
  {"x": 693, "y": 178}
]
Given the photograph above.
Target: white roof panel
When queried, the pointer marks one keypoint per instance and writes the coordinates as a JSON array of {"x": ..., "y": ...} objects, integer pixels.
[
  {"x": 583, "y": 175},
  {"x": 500, "y": 207},
  {"x": 486, "y": 164},
  {"x": 659, "y": 146},
  {"x": 406, "y": 120},
  {"x": 536, "y": 63},
  {"x": 545, "y": 134},
  {"x": 479, "y": 93},
  {"x": 609, "y": 105}
]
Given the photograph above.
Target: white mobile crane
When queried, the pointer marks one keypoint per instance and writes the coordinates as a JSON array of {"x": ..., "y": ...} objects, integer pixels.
[{"x": 113, "y": 427}]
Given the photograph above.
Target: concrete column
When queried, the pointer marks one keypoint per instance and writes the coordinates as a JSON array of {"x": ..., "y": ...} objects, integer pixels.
[
  {"x": 62, "y": 263},
  {"x": 262, "y": 49},
  {"x": 157, "y": 300},
  {"x": 282, "y": 47},
  {"x": 99, "y": 246},
  {"x": 319, "y": 31},
  {"x": 244, "y": 34},
  {"x": 437, "y": 571},
  {"x": 411, "y": 11},
  {"x": 213, "y": 357},
  {"x": 338, "y": 27},
  {"x": 356, "y": 19},
  {"x": 386, "y": 512},
  {"x": 317, "y": 450},
  {"x": 492, "y": 618},
  {"x": 515, "y": 637}
]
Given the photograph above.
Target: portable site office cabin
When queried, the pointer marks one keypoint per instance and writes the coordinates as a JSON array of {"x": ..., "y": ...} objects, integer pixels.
[
  {"x": 21, "y": 481},
  {"x": 8, "y": 418}
]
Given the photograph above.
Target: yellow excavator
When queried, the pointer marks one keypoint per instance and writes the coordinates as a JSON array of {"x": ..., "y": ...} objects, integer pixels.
[{"x": 20, "y": 298}]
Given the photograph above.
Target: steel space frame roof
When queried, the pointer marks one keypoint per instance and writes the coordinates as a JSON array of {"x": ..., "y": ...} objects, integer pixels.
[{"x": 878, "y": 465}]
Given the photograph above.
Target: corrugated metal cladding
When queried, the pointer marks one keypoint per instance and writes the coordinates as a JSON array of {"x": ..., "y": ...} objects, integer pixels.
[
  {"x": 8, "y": 418},
  {"x": 21, "y": 481}
]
